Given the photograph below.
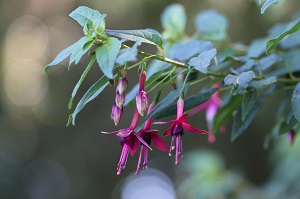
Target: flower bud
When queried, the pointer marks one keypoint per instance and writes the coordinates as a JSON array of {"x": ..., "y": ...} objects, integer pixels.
[
  {"x": 122, "y": 85},
  {"x": 290, "y": 136},
  {"x": 142, "y": 80},
  {"x": 120, "y": 99},
  {"x": 116, "y": 114},
  {"x": 142, "y": 102}
]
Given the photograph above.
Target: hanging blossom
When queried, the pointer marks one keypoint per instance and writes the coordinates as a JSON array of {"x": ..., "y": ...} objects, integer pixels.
[
  {"x": 212, "y": 105},
  {"x": 129, "y": 141},
  {"x": 117, "y": 108},
  {"x": 176, "y": 130},
  {"x": 149, "y": 136}
]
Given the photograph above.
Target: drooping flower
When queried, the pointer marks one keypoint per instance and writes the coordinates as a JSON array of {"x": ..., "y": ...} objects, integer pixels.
[
  {"x": 149, "y": 136},
  {"x": 212, "y": 105},
  {"x": 176, "y": 130},
  {"x": 142, "y": 97},
  {"x": 129, "y": 142}
]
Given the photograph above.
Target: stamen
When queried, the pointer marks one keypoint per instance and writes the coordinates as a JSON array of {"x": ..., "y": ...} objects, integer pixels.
[{"x": 139, "y": 161}]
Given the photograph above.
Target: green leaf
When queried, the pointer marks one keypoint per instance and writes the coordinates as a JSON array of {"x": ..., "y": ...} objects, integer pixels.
[
  {"x": 97, "y": 88},
  {"x": 225, "y": 112},
  {"x": 261, "y": 83},
  {"x": 257, "y": 47},
  {"x": 292, "y": 60},
  {"x": 248, "y": 101},
  {"x": 202, "y": 62},
  {"x": 173, "y": 20},
  {"x": 291, "y": 41},
  {"x": 107, "y": 54},
  {"x": 84, "y": 15},
  {"x": 240, "y": 126},
  {"x": 80, "y": 81},
  {"x": 147, "y": 36},
  {"x": 296, "y": 102},
  {"x": 240, "y": 82},
  {"x": 65, "y": 53},
  {"x": 187, "y": 49},
  {"x": 189, "y": 103},
  {"x": 80, "y": 50},
  {"x": 291, "y": 28},
  {"x": 128, "y": 54},
  {"x": 268, "y": 61},
  {"x": 212, "y": 24},
  {"x": 267, "y": 4}
]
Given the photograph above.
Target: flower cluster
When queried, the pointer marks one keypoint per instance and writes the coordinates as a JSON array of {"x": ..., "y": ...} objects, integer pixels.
[
  {"x": 117, "y": 108},
  {"x": 131, "y": 139}
]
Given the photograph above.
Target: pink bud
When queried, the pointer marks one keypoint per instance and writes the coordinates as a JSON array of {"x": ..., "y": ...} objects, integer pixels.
[
  {"x": 120, "y": 99},
  {"x": 142, "y": 80},
  {"x": 116, "y": 114},
  {"x": 142, "y": 102},
  {"x": 290, "y": 136},
  {"x": 122, "y": 85}
]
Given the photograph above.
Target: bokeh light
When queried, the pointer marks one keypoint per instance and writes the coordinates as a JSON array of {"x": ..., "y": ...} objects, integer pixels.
[{"x": 148, "y": 184}]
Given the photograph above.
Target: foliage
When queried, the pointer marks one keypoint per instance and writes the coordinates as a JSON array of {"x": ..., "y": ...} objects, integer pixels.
[{"x": 254, "y": 74}]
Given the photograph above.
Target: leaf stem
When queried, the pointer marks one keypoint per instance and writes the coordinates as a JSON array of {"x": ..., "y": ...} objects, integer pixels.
[
  {"x": 148, "y": 56},
  {"x": 184, "y": 83},
  {"x": 166, "y": 77}
]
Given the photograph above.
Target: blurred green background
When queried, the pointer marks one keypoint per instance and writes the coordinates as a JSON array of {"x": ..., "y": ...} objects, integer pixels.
[{"x": 41, "y": 158}]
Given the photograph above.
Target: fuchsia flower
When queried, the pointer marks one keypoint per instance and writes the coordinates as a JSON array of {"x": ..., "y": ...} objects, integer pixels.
[
  {"x": 176, "y": 130},
  {"x": 149, "y": 136},
  {"x": 212, "y": 105},
  {"x": 129, "y": 142}
]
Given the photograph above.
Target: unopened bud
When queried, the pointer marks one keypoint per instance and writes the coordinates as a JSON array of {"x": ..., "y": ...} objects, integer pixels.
[
  {"x": 142, "y": 102},
  {"x": 122, "y": 85},
  {"x": 142, "y": 80},
  {"x": 290, "y": 136},
  {"x": 116, "y": 114},
  {"x": 120, "y": 99}
]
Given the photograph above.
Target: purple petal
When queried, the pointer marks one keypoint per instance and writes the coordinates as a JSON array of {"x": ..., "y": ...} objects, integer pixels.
[
  {"x": 113, "y": 132},
  {"x": 169, "y": 122},
  {"x": 158, "y": 142},
  {"x": 124, "y": 132},
  {"x": 192, "y": 129}
]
